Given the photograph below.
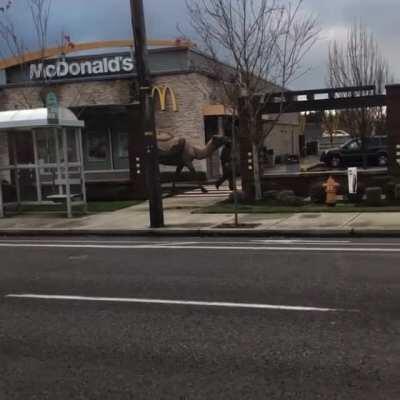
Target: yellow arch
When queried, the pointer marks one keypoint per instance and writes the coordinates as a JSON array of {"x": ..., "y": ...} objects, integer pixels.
[
  {"x": 56, "y": 51},
  {"x": 158, "y": 90},
  {"x": 162, "y": 92}
]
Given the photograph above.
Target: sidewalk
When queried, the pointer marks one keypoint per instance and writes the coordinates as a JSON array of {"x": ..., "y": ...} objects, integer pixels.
[{"x": 180, "y": 220}]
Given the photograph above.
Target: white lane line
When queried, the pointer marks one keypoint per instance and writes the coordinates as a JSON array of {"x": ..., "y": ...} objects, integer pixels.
[
  {"x": 197, "y": 247},
  {"x": 176, "y": 302},
  {"x": 204, "y": 243},
  {"x": 294, "y": 241},
  {"x": 131, "y": 242}
]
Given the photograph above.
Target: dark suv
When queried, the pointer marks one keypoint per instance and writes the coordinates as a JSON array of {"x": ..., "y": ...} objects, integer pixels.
[{"x": 350, "y": 153}]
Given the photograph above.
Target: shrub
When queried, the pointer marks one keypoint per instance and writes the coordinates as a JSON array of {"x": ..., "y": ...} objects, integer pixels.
[
  {"x": 241, "y": 197},
  {"x": 292, "y": 201},
  {"x": 374, "y": 196},
  {"x": 270, "y": 195},
  {"x": 389, "y": 190},
  {"x": 9, "y": 192},
  {"x": 356, "y": 197},
  {"x": 317, "y": 193},
  {"x": 397, "y": 191},
  {"x": 284, "y": 194}
]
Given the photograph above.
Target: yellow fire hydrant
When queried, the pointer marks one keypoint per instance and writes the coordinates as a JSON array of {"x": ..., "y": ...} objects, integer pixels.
[{"x": 331, "y": 187}]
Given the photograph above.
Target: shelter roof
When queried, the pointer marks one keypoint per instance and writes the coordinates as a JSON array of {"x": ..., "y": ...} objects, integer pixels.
[{"x": 37, "y": 117}]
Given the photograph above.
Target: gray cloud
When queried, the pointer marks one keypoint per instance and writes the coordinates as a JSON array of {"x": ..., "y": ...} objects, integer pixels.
[{"x": 110, "y": 19}]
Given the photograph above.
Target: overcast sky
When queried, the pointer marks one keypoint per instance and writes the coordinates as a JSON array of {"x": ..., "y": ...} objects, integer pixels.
[{"x": 90, "y": 20}]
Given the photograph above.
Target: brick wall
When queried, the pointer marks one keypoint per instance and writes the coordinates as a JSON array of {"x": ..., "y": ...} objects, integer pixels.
[
  {"x": 70, "y": 95},
  {"x": 192, "y": 91}
]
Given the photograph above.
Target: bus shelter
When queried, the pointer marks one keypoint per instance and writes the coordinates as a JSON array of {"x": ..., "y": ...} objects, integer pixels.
[{"x": 45, "y": 158}]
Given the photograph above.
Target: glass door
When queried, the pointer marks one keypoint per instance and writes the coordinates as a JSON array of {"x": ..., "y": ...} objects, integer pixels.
[
  {"x": 97, "y": 150},
  {"x": 120, "y": 143}
]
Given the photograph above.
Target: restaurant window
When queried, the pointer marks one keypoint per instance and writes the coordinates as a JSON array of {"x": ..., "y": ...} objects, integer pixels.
[
  {"x": 97, "y": 144},
  {"x": 123, "y": 145}
]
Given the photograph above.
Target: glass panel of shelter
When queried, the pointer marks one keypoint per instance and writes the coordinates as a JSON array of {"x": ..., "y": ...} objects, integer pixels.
[
  {"x": 38, "y": 161},
  {"x": 46, "y": 146}
]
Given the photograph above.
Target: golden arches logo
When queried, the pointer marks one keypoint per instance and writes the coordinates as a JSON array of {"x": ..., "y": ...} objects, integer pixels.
[{"x": 163, "y": 92}]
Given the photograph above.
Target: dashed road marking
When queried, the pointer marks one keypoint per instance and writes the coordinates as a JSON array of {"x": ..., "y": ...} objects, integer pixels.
[{"x": 177, "y": 302}]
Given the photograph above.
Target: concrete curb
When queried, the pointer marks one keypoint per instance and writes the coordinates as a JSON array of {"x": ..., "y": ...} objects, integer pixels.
[{"x": 206, "y": 232}]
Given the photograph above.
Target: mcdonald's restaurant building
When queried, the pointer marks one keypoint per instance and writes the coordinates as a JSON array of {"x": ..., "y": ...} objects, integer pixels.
[{"x": 100, "y": 89}]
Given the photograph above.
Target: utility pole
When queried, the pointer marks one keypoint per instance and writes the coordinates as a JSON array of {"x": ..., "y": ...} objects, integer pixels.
[{"x": 147, "y": 116}]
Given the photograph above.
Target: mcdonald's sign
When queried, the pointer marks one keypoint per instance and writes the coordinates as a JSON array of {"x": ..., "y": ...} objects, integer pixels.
[{"x": 163, "y": 92}]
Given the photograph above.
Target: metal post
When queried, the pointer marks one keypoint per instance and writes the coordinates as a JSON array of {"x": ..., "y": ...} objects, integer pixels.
[
  {"x": 37, "y": 171},
  {"x": 147, "y": 112},
  {"x": 1, "y": 200},
  {"x": 246, "y": 150},
  {"x": 83, "y": 178},
  {"x": 16, "y": 172},
  {"x": 58, "y": 160},
  {"x": 66, "y": 172},
  {"x": 393, "y": 127},
  {"x": 110, "y": 145},
  {"x": 364, "y": 140}
]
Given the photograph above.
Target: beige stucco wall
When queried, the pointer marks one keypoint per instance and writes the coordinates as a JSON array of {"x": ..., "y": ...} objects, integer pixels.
[{"x": 284, "y": 137}]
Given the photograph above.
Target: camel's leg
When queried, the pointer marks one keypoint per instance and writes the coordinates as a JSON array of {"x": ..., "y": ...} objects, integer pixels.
[
  {"x": 176, "y": 175},
  {"x": 193, "y": 171}
]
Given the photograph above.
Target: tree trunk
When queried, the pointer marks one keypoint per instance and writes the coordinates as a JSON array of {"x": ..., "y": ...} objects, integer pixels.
[
  {"x": 257, "y": 177},
  {"x": 364, "y": 139},
  {"x": 234, "y": 172}
]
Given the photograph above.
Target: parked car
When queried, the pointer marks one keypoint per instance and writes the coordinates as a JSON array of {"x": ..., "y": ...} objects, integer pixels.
[
  {"x": 350, "y": 153},
  {"x": 338, "y": 138}
]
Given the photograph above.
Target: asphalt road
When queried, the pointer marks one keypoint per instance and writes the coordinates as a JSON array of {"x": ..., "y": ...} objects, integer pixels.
[{"x": 199, "y": 319}]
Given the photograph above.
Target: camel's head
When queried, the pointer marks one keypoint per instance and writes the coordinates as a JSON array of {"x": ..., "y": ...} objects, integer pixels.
[{"x": 219, "y": 141}]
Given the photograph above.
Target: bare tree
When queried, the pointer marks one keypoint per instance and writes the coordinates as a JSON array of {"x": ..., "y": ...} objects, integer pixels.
[
  {"x": 359, "y": 62},
  {"x": 13, "y": 45},
  {"x": 13, "y": 42},
  {"x": 264, "y": 42},
  {"x": 331, "y": 123},
  {"x": 40, "y": 12}
]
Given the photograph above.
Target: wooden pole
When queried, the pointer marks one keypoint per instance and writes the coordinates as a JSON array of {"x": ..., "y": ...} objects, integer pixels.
[
  {"x": 147, "y": 112},
  {"x": 66, "y": 172}
]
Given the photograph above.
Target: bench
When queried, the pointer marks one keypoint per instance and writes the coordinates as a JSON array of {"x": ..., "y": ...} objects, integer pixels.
[{"x": 62, "y": 197}]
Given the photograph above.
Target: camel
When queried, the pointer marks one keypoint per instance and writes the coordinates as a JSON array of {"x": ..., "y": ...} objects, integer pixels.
[{"x": 181, "y": 153}]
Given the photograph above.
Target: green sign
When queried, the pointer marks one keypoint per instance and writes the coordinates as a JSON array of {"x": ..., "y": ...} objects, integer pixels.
[{"x": 52, "y": 108}]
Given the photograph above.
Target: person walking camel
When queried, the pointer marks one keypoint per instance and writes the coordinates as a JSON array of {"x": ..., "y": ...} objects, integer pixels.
[{"x": 226, "y": 162}]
